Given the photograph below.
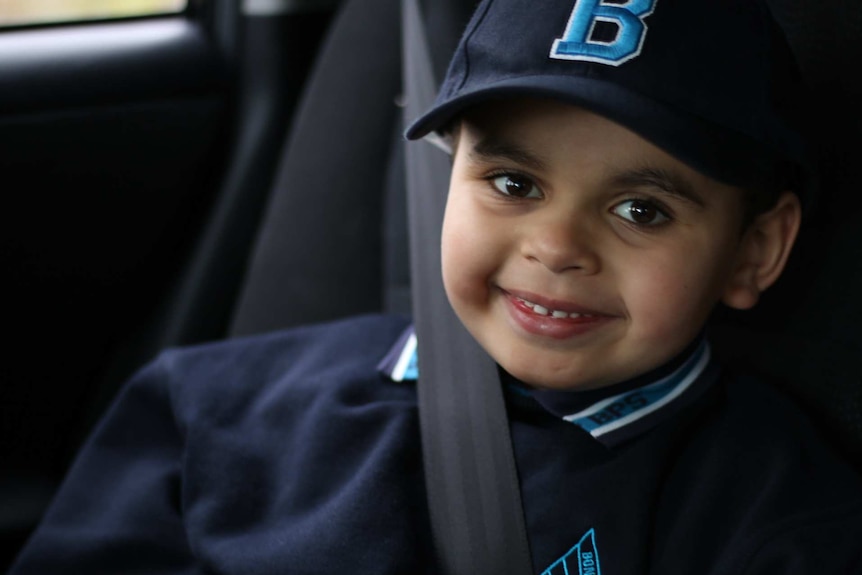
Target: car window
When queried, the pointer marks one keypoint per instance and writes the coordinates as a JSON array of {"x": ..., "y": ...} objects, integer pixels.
[{"x": 26, "y": 12}]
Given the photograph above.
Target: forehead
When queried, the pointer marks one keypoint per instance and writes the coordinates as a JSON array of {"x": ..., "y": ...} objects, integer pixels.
[
  {"x": 557, "y": 128},
  {"x": 547, "y": 135}
]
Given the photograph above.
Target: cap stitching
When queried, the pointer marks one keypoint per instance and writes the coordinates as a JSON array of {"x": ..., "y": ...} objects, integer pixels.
[{"x": 467, "y": 38}]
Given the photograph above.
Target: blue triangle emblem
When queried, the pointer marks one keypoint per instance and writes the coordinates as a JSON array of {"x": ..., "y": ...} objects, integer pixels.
[{"x": 582, "y": 559}]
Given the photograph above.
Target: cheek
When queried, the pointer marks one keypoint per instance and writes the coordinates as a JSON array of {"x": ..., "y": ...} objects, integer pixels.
[
  {"x": 470, "y": 254},
  {"x": 463, "y": 265},
  {"x": 454, "y": 260},
  {"x": 669, "y": 298}
]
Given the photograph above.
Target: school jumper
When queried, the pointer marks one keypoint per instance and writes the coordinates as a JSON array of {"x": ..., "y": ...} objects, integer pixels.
[{"x": 298, "y": 453}]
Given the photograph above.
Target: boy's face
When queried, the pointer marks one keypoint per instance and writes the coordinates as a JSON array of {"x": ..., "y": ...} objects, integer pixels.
[{"x": 577, "y": 253}]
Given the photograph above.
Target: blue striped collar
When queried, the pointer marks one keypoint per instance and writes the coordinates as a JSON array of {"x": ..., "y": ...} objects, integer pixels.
[
  {"x": 611, "y": 415},
  {"x": 626, "y": 410}
]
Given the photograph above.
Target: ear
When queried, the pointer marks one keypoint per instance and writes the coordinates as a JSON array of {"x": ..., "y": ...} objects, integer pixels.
[{"x": 763, "y": 252}]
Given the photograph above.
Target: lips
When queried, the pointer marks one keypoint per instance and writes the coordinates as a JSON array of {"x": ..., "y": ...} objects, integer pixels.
[{"x": 547, "y": 317}]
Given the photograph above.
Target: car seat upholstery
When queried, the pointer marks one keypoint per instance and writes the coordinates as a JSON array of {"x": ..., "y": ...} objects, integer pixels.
[
  {"x": 804, "y": 334},
  {"x": 334, "y": 240}
]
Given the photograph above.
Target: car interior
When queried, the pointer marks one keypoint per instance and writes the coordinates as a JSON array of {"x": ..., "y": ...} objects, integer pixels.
[{"x": 239, "y": 168}]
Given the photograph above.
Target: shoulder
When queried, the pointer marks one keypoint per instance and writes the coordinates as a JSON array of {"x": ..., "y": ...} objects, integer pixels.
[
  {"x": 334, "y": 345},
  {"x": 322, "y": 350},
  {"x": 755, "y": 421},
  {"x": 749, "y": 420},
  {"x": 279, "y": 369},
  {"x": 283, "y": 403},
  {"x": 814, "y": 495},
  {"x": 755, "y": 472},
  {"x": 235, "y": 452}
]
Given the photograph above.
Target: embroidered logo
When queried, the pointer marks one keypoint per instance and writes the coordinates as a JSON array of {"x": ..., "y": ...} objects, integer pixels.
[
  {"x": 599, "y": 31},
  {"x": 582, "y": 559}
]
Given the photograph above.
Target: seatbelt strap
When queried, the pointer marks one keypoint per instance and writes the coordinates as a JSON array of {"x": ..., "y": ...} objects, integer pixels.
[{"x": 474, "y": 497}]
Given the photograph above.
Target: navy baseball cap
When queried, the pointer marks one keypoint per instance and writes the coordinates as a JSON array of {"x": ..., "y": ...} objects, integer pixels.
[{"x": 713, "y": 82}]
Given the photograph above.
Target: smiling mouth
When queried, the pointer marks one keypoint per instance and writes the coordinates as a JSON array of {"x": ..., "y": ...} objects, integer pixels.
[
  {"x": 555, "y": 319},
  {"x": 556, "y": 314}
]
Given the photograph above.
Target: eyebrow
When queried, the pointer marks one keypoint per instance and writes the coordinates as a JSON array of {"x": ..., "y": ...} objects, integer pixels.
[
  {"x": 665, "y": 180},
  {"x": 489, "y": 148}
]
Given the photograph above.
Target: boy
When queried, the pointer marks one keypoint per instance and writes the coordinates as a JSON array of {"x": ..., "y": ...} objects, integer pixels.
[{"x": 618, "y": 169}]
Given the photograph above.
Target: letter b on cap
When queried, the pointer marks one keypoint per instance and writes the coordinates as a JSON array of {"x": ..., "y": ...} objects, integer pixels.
[{"x": 578, "y": 42}]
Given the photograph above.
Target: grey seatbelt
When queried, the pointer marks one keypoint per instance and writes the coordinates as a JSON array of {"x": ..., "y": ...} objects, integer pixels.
[{"x": 473, "y": 491}]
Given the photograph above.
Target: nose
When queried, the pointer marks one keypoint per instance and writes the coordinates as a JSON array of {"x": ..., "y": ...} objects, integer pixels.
[{"x": 562, "y": 242}]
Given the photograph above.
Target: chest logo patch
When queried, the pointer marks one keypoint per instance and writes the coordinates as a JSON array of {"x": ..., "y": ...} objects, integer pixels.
[{"x": 582, "y": 559}]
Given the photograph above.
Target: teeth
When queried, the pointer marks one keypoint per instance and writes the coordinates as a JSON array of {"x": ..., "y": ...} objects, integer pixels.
[{"x": 556, "y": 314}]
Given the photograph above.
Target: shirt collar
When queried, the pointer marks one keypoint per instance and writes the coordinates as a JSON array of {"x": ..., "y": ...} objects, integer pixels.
[
  {"x": 620, "y": 412},
  {"x": 611, "y": 415}
]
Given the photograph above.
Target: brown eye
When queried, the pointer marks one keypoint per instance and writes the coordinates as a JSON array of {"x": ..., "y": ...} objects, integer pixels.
[
  {"x": 516, "y": 186},
  {"x": 641, "y": 212}
]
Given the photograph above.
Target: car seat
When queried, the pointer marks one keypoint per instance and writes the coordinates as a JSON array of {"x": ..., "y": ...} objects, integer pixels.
[{"x": 334, "y": 238}]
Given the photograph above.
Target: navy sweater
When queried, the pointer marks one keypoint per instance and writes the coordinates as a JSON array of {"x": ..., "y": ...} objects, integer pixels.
[{"x": 293, "y": 453}]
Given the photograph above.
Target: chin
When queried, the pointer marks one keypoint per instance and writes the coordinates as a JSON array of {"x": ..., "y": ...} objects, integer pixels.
[{"x": 563, "y": 379}]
